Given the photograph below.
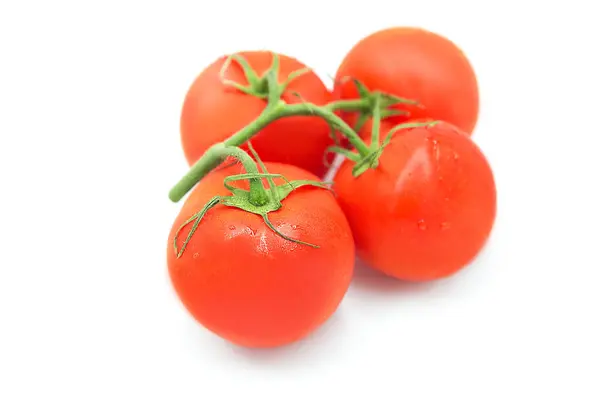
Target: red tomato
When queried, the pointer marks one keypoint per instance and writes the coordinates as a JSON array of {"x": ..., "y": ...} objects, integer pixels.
[
  {"x": 212, "y": 112},
  {"x": 247, "y": 284},
  {"x": 415, "y": 64},
  {"x": 427, "y": 210}
]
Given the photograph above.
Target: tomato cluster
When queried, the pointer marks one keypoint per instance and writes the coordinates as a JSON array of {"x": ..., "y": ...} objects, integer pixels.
[{"x": 263, "y": 251}]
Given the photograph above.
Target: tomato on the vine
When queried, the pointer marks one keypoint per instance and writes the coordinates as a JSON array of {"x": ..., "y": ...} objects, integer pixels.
[
  {"x": 213, "y": 111},
  {"x": 427, "y": 209},
  {"x": 416, "y": 64},
  {"x": 246, "y": 283}
]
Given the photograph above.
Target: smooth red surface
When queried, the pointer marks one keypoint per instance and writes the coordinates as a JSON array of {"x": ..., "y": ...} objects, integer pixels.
[
  {"x": 212, "y": 112},
  {"x": 427, "y": 210},
  {"x": 416, "y": 64},
  {"x": 250, "y": 286}
]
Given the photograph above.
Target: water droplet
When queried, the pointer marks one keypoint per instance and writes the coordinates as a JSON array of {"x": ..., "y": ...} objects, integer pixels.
[
  {"x": 422, "y": 225},
  {"x": 294, "y": 227},
  {"x": 456, "y": 156},
  {"x": 445, "y": 225},
  {"x": 436, "y": 149},
  {"x": 196, "y": 255},
  {"x": 232, "y": 227}
]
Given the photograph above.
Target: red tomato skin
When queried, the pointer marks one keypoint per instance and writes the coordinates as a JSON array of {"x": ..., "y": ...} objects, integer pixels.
[
  {"x": 248, "y": 285},
  {"x": 212, "y": 112},
  {"x": 416, "y": 64},
  {"x": 427, "y": 210}
]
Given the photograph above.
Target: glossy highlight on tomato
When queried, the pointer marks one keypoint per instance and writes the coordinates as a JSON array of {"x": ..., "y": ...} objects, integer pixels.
[
  {"x": 212, "y": 112},
  {"x": 427, "y": 210},
  {"x": 250, "y": 286},
  {"x": 416, "y": 64}
]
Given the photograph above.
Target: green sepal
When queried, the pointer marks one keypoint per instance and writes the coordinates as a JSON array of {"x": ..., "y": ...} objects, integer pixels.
[
  {"x": 264, "y": 87},
  {"x": 243, "y": 200},
  {"x": 371, "y": 161},
  {"x": 196, "y": 218}
]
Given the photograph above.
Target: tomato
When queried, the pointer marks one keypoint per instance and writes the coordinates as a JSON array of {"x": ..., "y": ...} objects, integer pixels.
[
  {"x": 212, "y": 112},
  {"x": 250, "y": 286},
  {"x": 416, "y": 64},
  {"x": 428, "y": 208}
]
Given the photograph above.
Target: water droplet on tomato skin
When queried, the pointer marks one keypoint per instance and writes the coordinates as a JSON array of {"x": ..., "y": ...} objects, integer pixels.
[
  {"x": 445, "y": 226},
  {"x": 422, "y": 225},
  {"x": 436, "y": 149},
  {"x": 196, "y": 255},
  {"x": 456, "y": 156},
  {"x": 231, "y": 227}
]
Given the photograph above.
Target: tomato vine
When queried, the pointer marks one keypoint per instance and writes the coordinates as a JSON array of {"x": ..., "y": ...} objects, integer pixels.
[
  {"x": 371, "y": 104},
  {"x": 376, "y": 104}
]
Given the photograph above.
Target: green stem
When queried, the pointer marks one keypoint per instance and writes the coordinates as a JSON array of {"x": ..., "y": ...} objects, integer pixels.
[
  {"x": 376, "y": 127},
  {"x": 268, "y": 87},
  {"x": 274, "y": 111},
  {"x": 281, "y": 110},
  {"x": 270, "y": 114},
  {"x": 349, "y": 105},
  {"x": 210, "y": 160},
  {"x": 311, "y": 109}
]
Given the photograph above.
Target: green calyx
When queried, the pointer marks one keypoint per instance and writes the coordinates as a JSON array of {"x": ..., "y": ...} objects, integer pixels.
[
  {"x": 373, "y": 105},
  {"x": 257, "y": 200},
  {"x": 370, "y": 159},
  {"x": 380, "y": 101},
  {"x": 265, "y": 86}
]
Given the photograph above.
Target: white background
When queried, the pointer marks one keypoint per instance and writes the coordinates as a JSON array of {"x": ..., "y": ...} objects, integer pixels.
[{"x": 90, "y": 95}]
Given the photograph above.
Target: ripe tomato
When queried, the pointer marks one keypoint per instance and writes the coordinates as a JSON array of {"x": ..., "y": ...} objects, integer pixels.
[
  {"x": 415, "y": 64},
  {"x": 212, "y": 112},
  {"x": 428, "y": 208},
  {"x": 248, "y": 285}
]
